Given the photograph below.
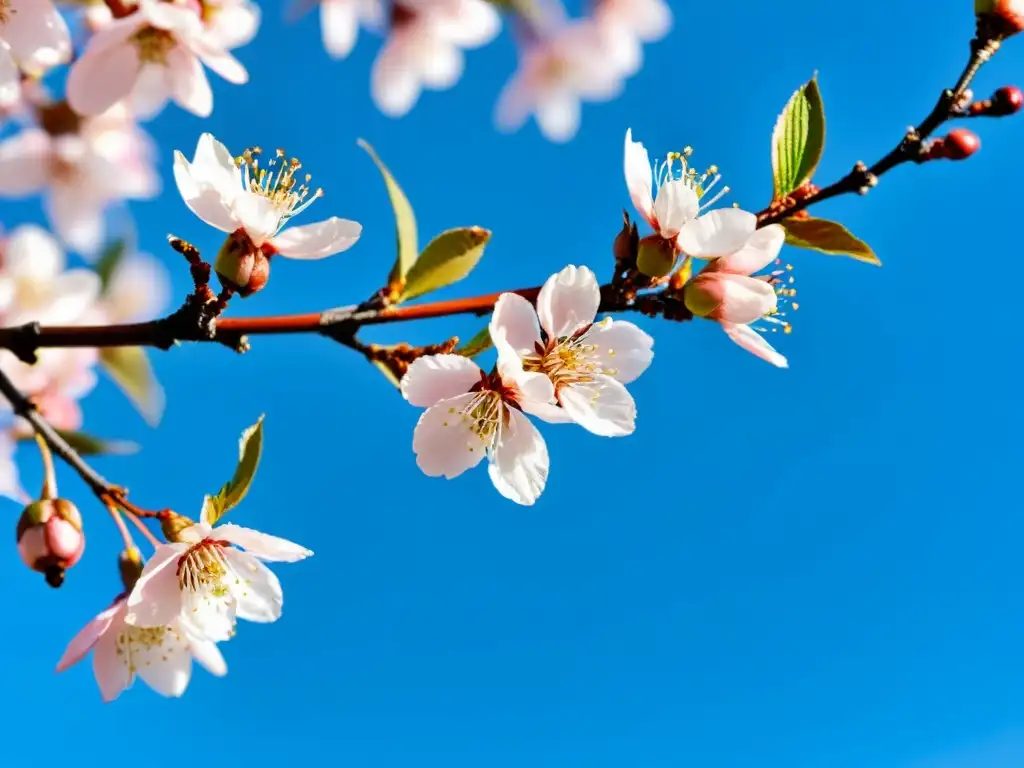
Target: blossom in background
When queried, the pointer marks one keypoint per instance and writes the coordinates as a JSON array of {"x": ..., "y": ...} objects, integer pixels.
[
  {"x": 340, "y": 21},
  {"x": 161, "y": 656},
  {"x": 81, "y": 167},
  {"x": 206, "y": 583},
  {"x": 230, "y": 24},
  {"x": 624, "y": 25},
  {"x": 33, "y": 40},
  {"x": 588, "y": 362},
  {"x": 424, "y": 49},
  {"x": 558, "y": 70},
  {"x": 253, "y": 204},
  {"x": 138, "y": 289},
  {"x": 727, "y": 291},
  {"x": 471, "y": 415},
  {"x": 153, "y": 55}
]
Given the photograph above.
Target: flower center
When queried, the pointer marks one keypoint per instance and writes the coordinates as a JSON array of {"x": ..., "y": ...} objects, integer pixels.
[
  {"x": 278, "y": 181},
  {"x": 144, "y": 646},
  {"x": 569, "y": 360},
  {"x": 676, "y": 167},
  {"x": 202, "y": 568},
  {"x": 783, "y": 282},
  {"x": 153, "y": 45}
]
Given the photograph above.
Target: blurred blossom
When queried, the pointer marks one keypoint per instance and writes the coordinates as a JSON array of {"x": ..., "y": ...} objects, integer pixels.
[
  {"x": 558, "y": 69},
  {"x": 139, "y": 289},
  {"x": 33, "y": 40},
  {"x": 156, "y": 54},
  {"x": 230, "y": 23},
  {"x": 624, "y": 25},
  {"x": 80, "y": 166},
  {"x": 424, "y": 49},
  {"x": 340, "y": 21}
]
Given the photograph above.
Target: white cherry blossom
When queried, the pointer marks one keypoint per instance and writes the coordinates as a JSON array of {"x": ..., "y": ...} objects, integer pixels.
[
  {"x": 589, "y": 363},
  {"x": 471, "y": 415},
  {"x": 254, "y": 203},
  {"x": 161, "y": 655},
  {"x": 207, "y": 583},
  {"x": 33, "y": 39},
  {"x": 153, "y": 55},
  {"x": 80, "y": 170},
  {"x": 230, "y": 24},
  {"x": 340, "y": 21},
  {"x": 624, "y": 25}
]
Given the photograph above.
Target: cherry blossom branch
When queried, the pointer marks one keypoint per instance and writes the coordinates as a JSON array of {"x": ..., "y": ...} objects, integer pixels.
[{"x": 912, "y": 147}]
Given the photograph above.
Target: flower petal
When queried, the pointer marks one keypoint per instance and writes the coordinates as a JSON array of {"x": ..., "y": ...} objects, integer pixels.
[
  {"x": 203, "y": 199},
  {"x": 24, "y": 163},
  {"x": 88, "y": 636},
  {"x": 189, "y": 85},
  {"x": 441, "y": 64},
  {"x": 568, "y": 301},
  {"x": 319, "y": 240},
  {"x": 110, "y": 667},
  {"x": 394, "y": 84},
  {"x": 551, "y": 413},
  {"x": 447, "y": 441},
  {"x": 515, "y": 321},
  {"x": 439, "y": 377},
  {"x": 156, "y": 599},
  {"x": 223, "y": 63},
  {"x": 754, "y": 343},
  {"x": 259, "y": 598},
  {"x": 209, "y": 656},
  {"x": 37, "y": 34},
  {"x": 558, "y": 116},
  {"x": 621, "y": 347},
  {"x": 167, "y": 667},
  {"x": 603, "y": 406},
  {"x": 760, "y": 250},
  {"x": 262, "y": 545},
  {"x": 744, "y": 299},
  {"x": 717, "y": 233},
  {"x": 209, "y": 612},
  {"x": 675, "y": 205},
  {"x": 519, "y": 463},
  {"x": 257, "y": 214},
  {"x": 151, "y": 92},
  {"x": 73, "y": 294},
  {"x": 10, "y": 79},
  {"x": 33, "y": 253},
  {"x": 339, "y": 26},
  {"x": 638, "y": 171},
  {"x": 214, "y": 164},
  {"x": 76, "y": 216},
  {"x": 102, "y": 77}
]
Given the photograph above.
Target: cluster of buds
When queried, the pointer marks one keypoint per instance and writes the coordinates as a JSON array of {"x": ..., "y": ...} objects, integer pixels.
[{"x": 1008, "y": 100}]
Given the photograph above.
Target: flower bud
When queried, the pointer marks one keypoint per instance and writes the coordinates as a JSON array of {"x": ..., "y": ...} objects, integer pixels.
[
  {"x": 1008, "y": 100},
  {"x": 703, "y": 295},
  {"x": 50, "y": 538},
  {"x": 626, "y": 243},
  {"x": 1006, "y": 16},
  {"x": 130, "y": 565},
  {"x": 656, "y": 256},
  {"x": 241, "y": 266},
  {"x": 960, "y": 144},
  {"x": 172, "y": 524}
]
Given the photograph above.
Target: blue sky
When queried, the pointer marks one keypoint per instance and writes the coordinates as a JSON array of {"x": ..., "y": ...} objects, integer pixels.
[{"x": 813, "y": 567}]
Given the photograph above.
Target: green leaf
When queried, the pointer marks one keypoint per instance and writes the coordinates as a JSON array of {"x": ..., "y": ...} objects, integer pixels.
[
  {"x": 91, "y": 445},
  {"x": 448, "y": 258},
  {"x": 827, "y": 237},
  {"x": 130, "y": 369},
  {"x": 405, "y": 221},
  {"x": 250, "y": 447},
  {"x": 478, "y": 344},
  {"x": 109, "y": 261},
  {"x": 798, "y": 139}
]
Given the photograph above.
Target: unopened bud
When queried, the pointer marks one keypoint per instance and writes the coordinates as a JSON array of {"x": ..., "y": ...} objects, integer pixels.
[
  {"x": 129, "y": 563},
  {"x": 1006, "y": 16},
  {"x": 172, "y": 524},
  {"x": 656, "y": 256},
  {"x": 241, "y": 266},
  {"x": 703, "y": 295},
  {"x": 50, "y": 538},
  {"x": 960, "y": 144},
  {"x": 626, "y": 244},
  {"x": 1008, "y": 100}
]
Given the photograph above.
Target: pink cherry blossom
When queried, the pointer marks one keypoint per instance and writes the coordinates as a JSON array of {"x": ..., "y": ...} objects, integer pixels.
[
  {"x": 566, "y": 65},
  {"x": 138, "y": 289},
  {"x": 727, "y": 291},
  {"x": 153, "y": 55},
  {"x": 257, "y": 202},
  {"x": 625, "y": 24},
  {"x": 424, "y": 49},
  {"x": 230, "y": 24},
  {"x": 340, "y": 21},
  {"x": 204, "y": 581},
  {"x": 471, "y": 415},
  {"x": 161, "y": 655},
  {"x": 33, "y": 40},
  {"x": 101, "y": 161},
  {"x": 589, "y": 363}
]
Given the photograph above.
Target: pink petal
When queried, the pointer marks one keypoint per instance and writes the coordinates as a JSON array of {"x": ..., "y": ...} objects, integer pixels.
[
  {"x": 638, "y": 178},
  {"x": 515, "y": 103},
  {"x": 603, "y": 407},
  {"x": 33, "y": 253},
  {"x": 622, "y": 347},
  {"x": 76, "y": 216},
  {"x": 262, "y": 545},
  {"x": 744, "y": 299},
  {"x": 446, "y": 440},
  {"x": 438, "y": 377},
  {"x": 394, "y": 83},
  {"x": 754, "y": 343},
  {"x": 568, "y": 301},
  {"x": 515, "y": 321},
  {"x": 24, "y": 163},
  {"x": 37, "y": 35},
  {"x": 189, "y": 86},
  {"x": 519, "y": 463},
  {"x": 718, "y": 233},
  {"x": 339, "y": 25},
  {"x": 110, "y": 668},
  {"x": 760, "y": 250},
  {"x": 89, "y": 635},
  {"x": 102, "y": 77},
  {"x": 558, "y": 116},
  {"x": 208, "y": 655},
  {"x": 224, "y": 64},
  {"x": 319, "y": 240},
  {"x": 471, "y": 23},
  {"x": 151, "y": 92},
  {"x": 10, "y": 79},
  {"x": 156, "y": 599}
]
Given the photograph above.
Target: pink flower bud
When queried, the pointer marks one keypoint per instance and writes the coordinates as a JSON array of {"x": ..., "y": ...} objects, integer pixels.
[
  {"x": 656, "y": 256},
  {"x": 960, "y": 144},
  {"x": 1007, "y": 16},
  {"x": 703, "y": 295},
  {"x": 50, "y": 538},
  {"x": 1008, "y": 100},
  {"x": 242, "y": 266}
]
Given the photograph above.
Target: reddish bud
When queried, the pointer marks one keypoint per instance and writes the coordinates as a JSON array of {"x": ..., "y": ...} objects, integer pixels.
[
  {"x": 626, "y": 244},
  {"x": 242, "y": 266},
  {"x": 50, "y": 538},
  {"x": 960, "y": 144},
  {"x": 1006, "y": 17},
  {"x": 1008, "y": 100}
]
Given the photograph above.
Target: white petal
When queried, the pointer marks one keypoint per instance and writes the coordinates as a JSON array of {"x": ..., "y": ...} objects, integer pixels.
[
  {"x": 515, "y": 321},
  {"x": 519, "y": 464},
  {"x": 156, "y": 599},
  {"x": 638, "y": 171},
  {"x": 745, "y": 299},
  {"x": 32, "y": 253},
  {"x": 102, "y": 77},
  {"x": 110, "y": 668},
  {"x": 197, "y": 532},
  {"x": 339, "y": 25},
  {"x": 621, "y": 347},
  {"x": 74, "y": 293},
  {"x": 223, "y": 63},
  {"x": 209, "y": 656},
  {"x": 441, "y": 65},
  {"x": 122, "y": 297},
  {"x": 261, "y": 545},
  {"x": 89, "y": 635},
  {"x": 189, "y": 85},
  {"x": 760, "y": 250},
  {"x": 10, "y": 79},
  {"x": 603, "y": 407},
  {"x": 394, "y": 84},
  {"x": 446, "y": 441},
  {"x": 319, "y": 240},
  {"x": 259, "y": 597},
  {"x": 166, "y": 668},
  {"x": 754, "y": 343},
  {"x": 209, "y": 613},
  {"x": 258, "y": 215},
  {"x": 214, "y": 164},
  {"x": 552, "y": 413},
  {"x": 675, "y": 205},
  {"x": 37, "y": 35},
  {"x": 568, "y": 301},
  {"x": 717, "y": 233},
  {"x": 24, "y": 163},
  {"x": 76, "y": 216},
  {"x": 472, "y": 23},
  {"x": 558, "y": 116},
  {"x": 203, "y": 199},
  {"x": 439, "y": 377}
]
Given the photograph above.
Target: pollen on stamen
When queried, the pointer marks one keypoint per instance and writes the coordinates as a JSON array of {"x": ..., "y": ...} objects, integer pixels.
[
  {"x": 700, "y": 183},
  {"x": 278, "y": 181}
]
